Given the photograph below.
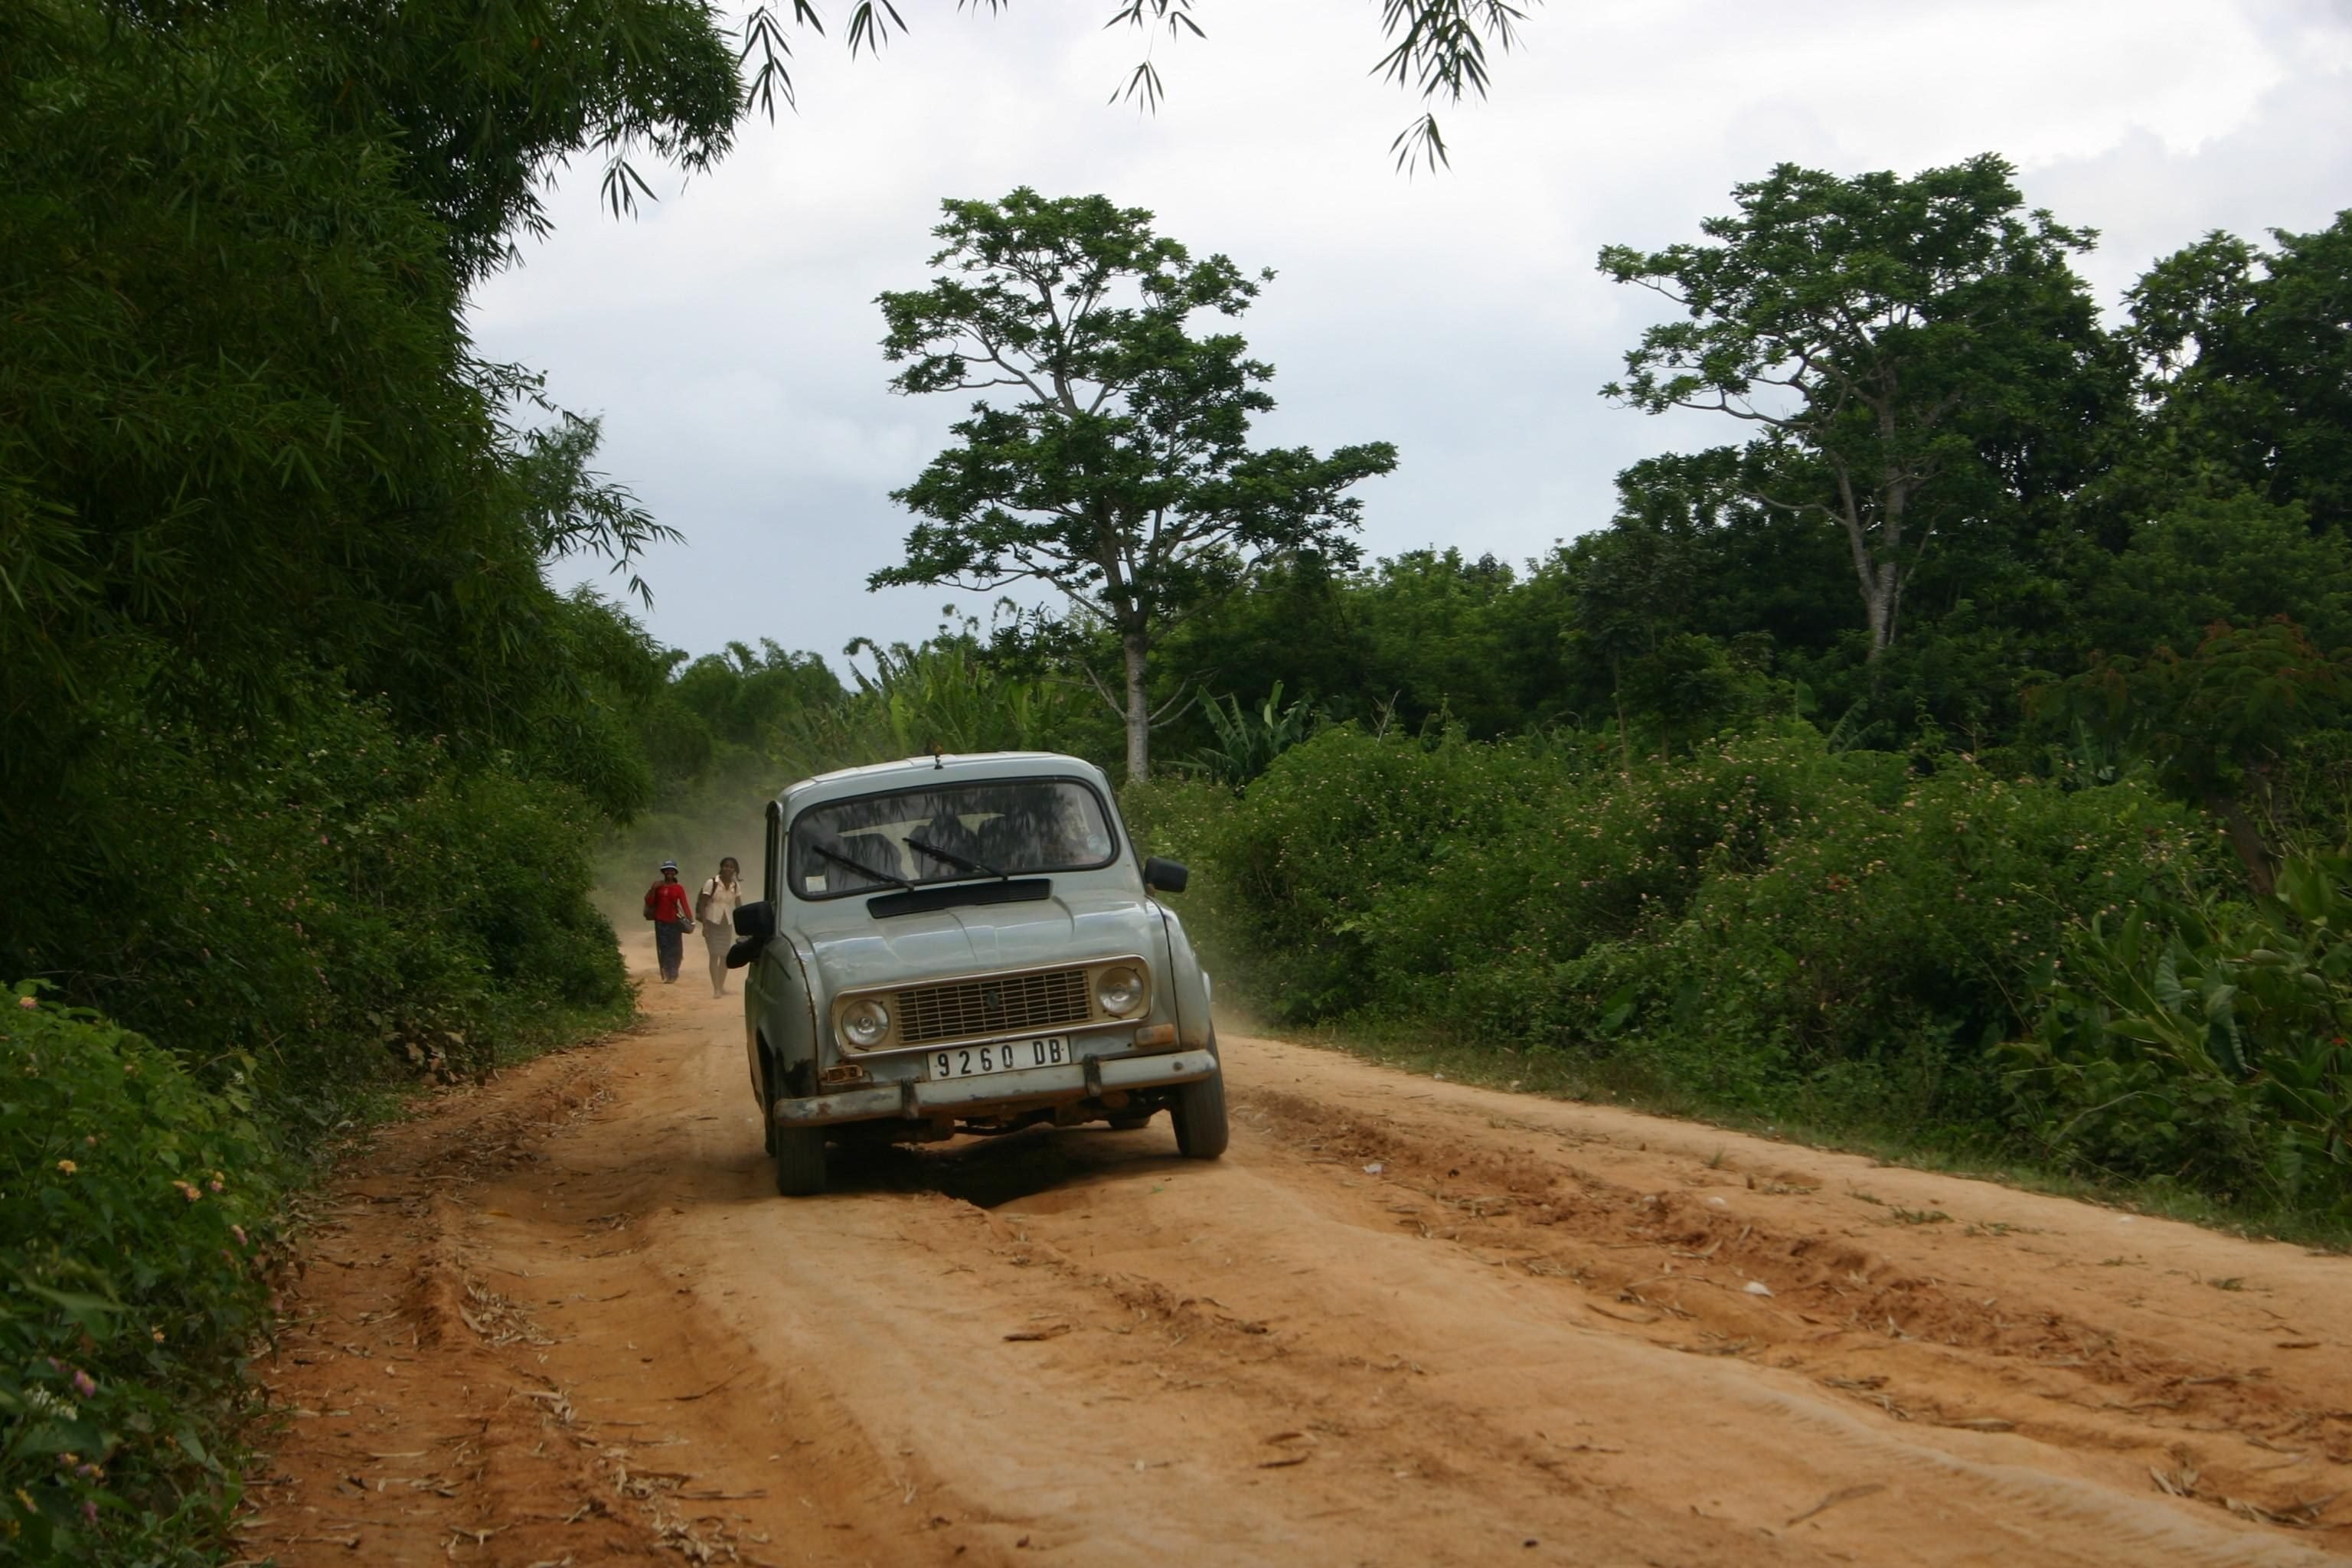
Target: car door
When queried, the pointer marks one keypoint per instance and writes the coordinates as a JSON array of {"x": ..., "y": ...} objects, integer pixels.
[{"x": 756, "y": 997}]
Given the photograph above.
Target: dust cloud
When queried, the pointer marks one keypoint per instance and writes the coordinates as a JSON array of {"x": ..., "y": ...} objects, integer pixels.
[{"x": 720, "y": 816}]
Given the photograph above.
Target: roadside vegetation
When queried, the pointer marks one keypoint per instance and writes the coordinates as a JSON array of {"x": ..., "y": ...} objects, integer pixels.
[
  {"x": 1956, "y": 758},
  {"x": 137, "y": 1202},
  {"x": 1932, "y": 962},
  {"x": 301, "y": 756}
]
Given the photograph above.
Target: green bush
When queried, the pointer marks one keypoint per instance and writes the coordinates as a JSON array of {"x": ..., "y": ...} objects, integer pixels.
[
  {"x": 1185, "y": 818},
  {"x": 131, "y": 1202},
  {"x": 2201, "y": 1040},
  {"x": 1565, "y": 862},
  {"x": 1386, "y": 873},
  {"x": 1767, "y": 925},
  {"x": 1860, "y": 968},
  {"x": 337, "y": 901},
  {"x": 1315, "y": 853}
]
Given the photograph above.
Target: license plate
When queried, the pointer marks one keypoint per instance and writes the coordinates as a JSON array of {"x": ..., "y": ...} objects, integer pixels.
[{"x": 1004, "y": 1055}]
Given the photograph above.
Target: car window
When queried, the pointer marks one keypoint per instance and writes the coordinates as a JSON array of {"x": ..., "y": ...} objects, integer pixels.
[{"x": 981, "y": 828}]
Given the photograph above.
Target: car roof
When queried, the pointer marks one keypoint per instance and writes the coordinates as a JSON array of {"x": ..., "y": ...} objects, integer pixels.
[{"x": 914, "y": 773}]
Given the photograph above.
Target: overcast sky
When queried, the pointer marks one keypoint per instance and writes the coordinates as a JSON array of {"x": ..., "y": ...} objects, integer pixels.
[{"x": 728, "y": 335}]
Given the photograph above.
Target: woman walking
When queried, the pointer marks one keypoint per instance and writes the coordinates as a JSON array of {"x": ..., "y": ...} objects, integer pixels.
[
  {"x": 666, "y": 906},
  {"x": 715, "y": 907}
]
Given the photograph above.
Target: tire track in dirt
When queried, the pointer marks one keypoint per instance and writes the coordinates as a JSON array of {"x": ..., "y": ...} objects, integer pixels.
[
  {"x": 472, "y": 1450},
  {"x": 561, "y": 1318},
  {"x": 1702, "y": 1274}
]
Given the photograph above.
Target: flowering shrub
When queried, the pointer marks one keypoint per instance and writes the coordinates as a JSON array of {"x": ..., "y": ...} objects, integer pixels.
[
  {"x": 1765, "y": 924},
  {"x": 1889, "y": 938},
  {"x": 133, "y": 1202}
]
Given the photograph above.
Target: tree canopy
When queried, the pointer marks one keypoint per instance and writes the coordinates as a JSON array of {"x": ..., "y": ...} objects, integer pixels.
[
  {"x": 2249, "y": 357},
  {"x": 243, "y": 432},
  {"x": 1880, "y": 332},
  {"x": 274, "y": 538},
  {"x": 1117, "y": 469}
]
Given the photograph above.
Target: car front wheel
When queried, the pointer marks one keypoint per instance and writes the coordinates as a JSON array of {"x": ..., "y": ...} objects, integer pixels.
[
  {"x": 1199, "y": 1114},
  {"x": 768, "y": 1098},
  {"x": 800, "y": 1162}
]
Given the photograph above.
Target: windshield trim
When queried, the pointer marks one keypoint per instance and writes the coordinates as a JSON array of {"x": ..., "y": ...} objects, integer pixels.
[{"x": 793, "y": 880}]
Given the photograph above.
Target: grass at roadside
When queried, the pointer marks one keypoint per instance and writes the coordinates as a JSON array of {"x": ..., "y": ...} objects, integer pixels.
[
  {"x": 340, "y": 1116},
  {"x": 1425, "y": 1049}
]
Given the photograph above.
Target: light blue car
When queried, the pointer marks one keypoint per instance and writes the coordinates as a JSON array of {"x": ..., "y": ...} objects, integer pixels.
[{"x": 967, "y": 944}]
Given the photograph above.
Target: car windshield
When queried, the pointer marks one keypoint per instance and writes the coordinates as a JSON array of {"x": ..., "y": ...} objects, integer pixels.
[{"x": 949, "y": 833}]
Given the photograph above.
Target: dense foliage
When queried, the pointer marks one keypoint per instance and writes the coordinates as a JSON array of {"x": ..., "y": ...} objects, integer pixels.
[
  {"x": 2200, "y": 1039},
  {"x": 281, "y": 651},
  {"x": 2103, "y": 488},
  {"x": 134, "y": 1202},
  {"x": 1761, "y": 924},
  {"x": 302, "y": 759}
]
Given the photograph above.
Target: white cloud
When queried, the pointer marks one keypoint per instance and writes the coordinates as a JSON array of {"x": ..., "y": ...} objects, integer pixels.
[{"x": 728, "y": 335}]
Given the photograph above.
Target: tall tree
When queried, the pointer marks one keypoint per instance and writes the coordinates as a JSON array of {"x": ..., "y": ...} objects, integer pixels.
[
  {"x": 488, "y": 102},
  {"x": 2249, "y": 357},
  {"x": 1885, "y": 336},
  {"x": 247, "y": 450},
  {"x": 1119, "y": 469}
]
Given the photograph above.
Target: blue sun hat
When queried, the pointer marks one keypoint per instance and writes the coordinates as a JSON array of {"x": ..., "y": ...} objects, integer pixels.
[{"x": 667, "y": 866}]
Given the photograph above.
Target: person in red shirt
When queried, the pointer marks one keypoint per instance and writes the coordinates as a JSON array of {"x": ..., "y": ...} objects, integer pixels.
[{"x": 673, "y": 917}]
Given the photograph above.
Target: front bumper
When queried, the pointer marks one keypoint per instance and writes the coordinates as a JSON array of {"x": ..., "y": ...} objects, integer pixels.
[{"x": 919, "y": 1099}]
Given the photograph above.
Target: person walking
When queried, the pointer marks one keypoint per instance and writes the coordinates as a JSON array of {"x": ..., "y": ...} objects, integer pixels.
[
  {"x": 715, "y": 907},
  {"x": 666, "y": 906}
]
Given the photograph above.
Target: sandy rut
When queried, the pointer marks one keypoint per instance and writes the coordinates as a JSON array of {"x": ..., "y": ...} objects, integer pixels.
[{"x": 561, "y": 1319}]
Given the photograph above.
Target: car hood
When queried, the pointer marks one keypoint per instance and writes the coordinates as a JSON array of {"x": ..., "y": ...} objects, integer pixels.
[{"x": 1071, "y": 927}]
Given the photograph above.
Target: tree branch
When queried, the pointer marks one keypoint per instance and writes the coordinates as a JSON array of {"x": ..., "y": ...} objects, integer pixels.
[
  {"x": 1118, "y": 709},
  {"x": 1163, "y": 715}
]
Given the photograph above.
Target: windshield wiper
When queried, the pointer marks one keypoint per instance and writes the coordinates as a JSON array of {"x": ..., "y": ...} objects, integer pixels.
[
  {"x": 982, "y": 867},
  {"x": 862, "y": 868}
]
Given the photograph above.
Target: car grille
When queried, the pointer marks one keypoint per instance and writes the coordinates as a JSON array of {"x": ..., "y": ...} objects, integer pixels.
[{"x": 994, "y": 1006}]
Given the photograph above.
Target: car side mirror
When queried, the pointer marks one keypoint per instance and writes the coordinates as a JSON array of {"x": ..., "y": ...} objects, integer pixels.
[
  {"x": 1165, "y": 876},
  {"x": 755, "y": 928}
]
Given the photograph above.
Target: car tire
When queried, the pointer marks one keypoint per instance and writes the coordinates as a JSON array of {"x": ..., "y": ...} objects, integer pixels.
[
  {"x": 768, "y": 1099},
  {"x": 1199, "y": 1114},
  {"x": 800, "y": 1162}
]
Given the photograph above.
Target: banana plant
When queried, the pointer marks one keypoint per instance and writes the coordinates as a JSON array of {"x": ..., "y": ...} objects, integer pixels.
[
  {"x": 1248, "y": 742},
  {"x": 2206, "y": 1031},
  {"x": 939, "y": 695}
]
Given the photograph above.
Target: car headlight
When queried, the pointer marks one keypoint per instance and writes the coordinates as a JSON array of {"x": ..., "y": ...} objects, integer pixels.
[
  {"x": 1118, "y": 990},
  {"x": 865, "y": 1023}
]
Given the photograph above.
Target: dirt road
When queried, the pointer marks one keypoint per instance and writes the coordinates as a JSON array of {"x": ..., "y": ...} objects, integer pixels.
[{"x": 561, "y": 1319}]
